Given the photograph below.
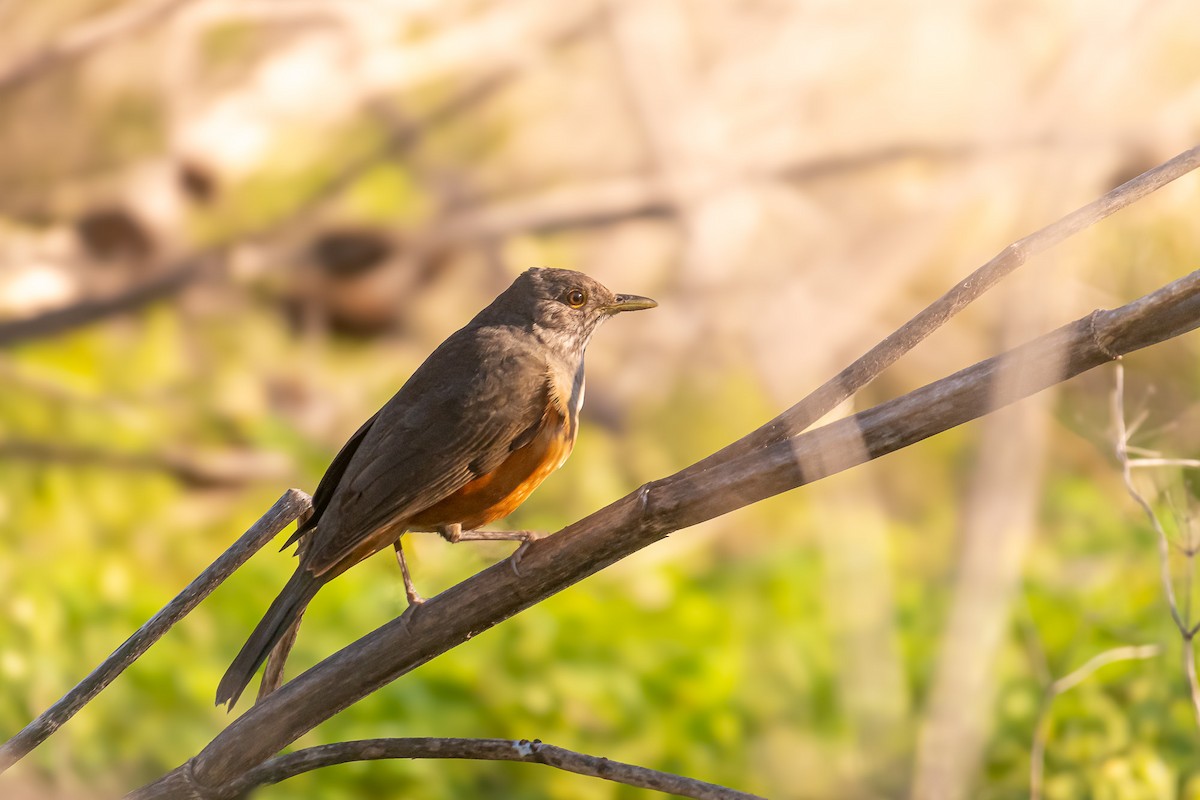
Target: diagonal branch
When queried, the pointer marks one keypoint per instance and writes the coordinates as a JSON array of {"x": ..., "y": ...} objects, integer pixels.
[
  {"x": 535, "y": 752},
  {"x": 662, "y": 507},
  {"x": 92, "y": 310},
  {"x": 292, "y": 504},
  {"x": 841, "y": 386}
]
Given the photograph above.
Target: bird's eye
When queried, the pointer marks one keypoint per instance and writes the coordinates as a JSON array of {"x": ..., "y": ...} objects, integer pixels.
[{"x": 575, "y": 297}]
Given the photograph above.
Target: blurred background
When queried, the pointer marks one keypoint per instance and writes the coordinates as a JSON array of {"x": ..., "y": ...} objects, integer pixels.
[{"x": 230, "y": 230}]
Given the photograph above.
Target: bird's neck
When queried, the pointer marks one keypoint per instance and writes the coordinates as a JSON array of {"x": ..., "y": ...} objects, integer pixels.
[{"x": 568, "y": 349}]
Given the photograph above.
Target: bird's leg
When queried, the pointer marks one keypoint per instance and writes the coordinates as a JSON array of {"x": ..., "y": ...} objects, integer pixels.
[
  {"x": 454, "y": 533},
  {"x": 414, "y": 599}
]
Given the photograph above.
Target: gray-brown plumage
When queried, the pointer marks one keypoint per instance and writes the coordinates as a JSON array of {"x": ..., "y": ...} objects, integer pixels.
[{"x": 484, "y": 420}]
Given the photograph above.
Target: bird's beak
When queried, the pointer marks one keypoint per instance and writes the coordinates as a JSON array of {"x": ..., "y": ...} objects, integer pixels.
[{"x": 629, "y": 302}]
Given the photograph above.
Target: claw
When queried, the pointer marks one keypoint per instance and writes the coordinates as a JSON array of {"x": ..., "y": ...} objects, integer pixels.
[
  {"x": 519, "y": 553},
  {"x": 413, "y": 604}
]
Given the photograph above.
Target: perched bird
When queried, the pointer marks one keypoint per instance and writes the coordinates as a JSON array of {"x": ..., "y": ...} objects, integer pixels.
[{"x": 489, "y": 415}]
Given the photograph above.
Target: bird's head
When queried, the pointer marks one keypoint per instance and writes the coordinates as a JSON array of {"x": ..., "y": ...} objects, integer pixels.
[{"x": 562, "y": 305}]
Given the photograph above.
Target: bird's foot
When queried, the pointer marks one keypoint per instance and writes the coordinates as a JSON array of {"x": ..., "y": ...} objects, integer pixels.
[
  {"x": 529, "y": 538},
  {"x": 414, "y": 602}
]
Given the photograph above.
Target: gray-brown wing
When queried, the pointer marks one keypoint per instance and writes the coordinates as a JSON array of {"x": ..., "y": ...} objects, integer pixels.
[{"x": 450, "y": 423}]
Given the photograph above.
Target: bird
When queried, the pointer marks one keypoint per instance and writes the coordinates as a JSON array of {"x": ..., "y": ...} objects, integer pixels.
[{"x": 491, "y": 413}]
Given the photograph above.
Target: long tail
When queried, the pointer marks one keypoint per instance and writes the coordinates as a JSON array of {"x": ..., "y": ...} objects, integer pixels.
[{"x": 286, "y": 609}]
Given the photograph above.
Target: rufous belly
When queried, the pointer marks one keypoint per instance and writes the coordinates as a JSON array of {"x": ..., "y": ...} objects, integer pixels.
[{"x": 497, "y": 493}]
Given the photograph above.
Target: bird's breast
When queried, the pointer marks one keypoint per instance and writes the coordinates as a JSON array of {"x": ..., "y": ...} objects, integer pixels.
[
  {"x": 497, "y": 494},
  {"x": 566, "y": 388}
]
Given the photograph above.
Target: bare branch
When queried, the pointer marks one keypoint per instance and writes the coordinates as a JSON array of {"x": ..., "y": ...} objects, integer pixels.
[
  {"x": 606, "y": 202},
  {"x": 816, "y": 405},
  {"x": 574, "y": 207},
  {"x": 88, "y": 311},
  {"x": 657, "y": 509},
  {"x": 292, "y": 764},
  {"x": 198, "y": 470},
  {"x": 86, "y": 37},
  {"x": 292, "y": 504},
  {"x": 1037, "y": 751}
]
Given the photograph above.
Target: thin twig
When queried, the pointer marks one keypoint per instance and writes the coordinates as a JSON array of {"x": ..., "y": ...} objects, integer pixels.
[
  {"x": 292, "y": 504},
  {"x": 1186, "y": 630},
  {"x": 1126, "y": 653},
  {"x": 1164, "y": 547},
  {"x": 935, "y": 152},
  {"x": 536, "y": 752},
  {"x": 86, "y": 37},
  {"x": 1142, "y": 417},
  {"x": 610, "y": 201},
  {"x": 1037, "y": 751},
  {"x": 1181, "y": 463}
]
